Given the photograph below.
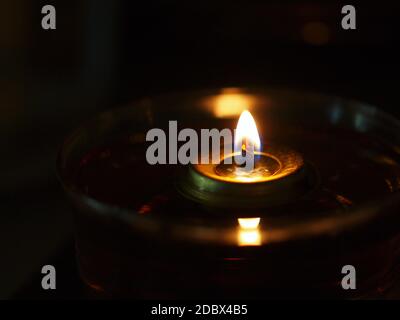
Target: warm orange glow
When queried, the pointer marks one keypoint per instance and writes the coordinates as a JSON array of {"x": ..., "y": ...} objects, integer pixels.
[
  {"x": 231, "y": 103},
  {"x": 249, "y": 223},
  {"x": 246, "y": 132},
  {"x": 249, "y": 238},
  {"x": 248, "y": 233}
]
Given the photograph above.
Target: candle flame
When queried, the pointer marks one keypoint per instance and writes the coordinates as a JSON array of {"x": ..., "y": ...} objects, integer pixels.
[{"x": 246, "y": 132}]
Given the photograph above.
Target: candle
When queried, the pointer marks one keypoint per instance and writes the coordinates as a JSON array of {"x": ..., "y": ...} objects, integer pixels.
[
  {"x": 276, "y": 175},
  {"x": 323, "y": 193}
]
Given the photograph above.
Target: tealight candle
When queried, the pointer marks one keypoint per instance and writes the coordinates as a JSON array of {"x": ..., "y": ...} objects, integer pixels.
[{"x": 277, "y": 175}]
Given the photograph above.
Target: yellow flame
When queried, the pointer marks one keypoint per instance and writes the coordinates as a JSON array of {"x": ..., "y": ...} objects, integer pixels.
[
  {"x": 246, "y": 132},
  {"x": 248, "y": 233}
]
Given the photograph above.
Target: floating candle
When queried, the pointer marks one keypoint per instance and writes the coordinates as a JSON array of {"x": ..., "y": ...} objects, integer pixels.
[
  {"x": 249, "y": 177},
  {"x": 284, "y": 234}
]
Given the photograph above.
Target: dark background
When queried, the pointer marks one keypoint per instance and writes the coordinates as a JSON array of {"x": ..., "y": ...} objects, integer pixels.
[{"x": 106, "y": 53}]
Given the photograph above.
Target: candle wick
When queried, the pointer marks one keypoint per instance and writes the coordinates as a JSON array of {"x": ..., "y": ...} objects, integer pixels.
[{"x": 244, "y": 145}]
